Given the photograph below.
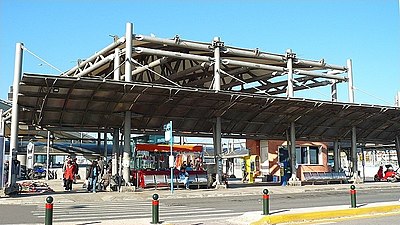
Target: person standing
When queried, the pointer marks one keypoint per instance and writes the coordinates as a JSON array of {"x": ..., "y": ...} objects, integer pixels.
[
  {"x": 93, "y": 175},
  {"x": 63, "y": 170},
  {"x": 100, "y": 163},
  {"x": 69, "y": 175},
  {"x": 76, "y": 169}
]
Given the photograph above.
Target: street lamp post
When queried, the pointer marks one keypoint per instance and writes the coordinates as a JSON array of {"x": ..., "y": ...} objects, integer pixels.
[{"x": 169, "y": 137}]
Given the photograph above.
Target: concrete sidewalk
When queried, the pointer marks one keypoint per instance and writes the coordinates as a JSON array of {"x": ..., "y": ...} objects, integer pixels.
[{"x": 79, "y": 194}]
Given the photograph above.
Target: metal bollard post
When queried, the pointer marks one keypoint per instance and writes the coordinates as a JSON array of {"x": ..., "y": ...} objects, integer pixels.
[
  {"x": 49, "y": 211},
  {"x": 265, "y": 202},
  {"x": 155, "y": 210},
  {"x": 353, "y": 196}
]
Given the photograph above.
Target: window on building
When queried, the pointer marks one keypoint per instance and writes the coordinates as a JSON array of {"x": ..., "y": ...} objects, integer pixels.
[{"x": 307, "y": 155}]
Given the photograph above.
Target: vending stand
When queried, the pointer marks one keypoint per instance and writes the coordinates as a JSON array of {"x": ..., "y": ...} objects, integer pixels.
[{"x": 151, "y": 166}]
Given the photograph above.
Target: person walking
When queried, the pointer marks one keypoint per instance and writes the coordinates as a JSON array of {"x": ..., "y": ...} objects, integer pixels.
[
  {"x": 69, "y": 175},
  {"x": 93, "y": 175}
]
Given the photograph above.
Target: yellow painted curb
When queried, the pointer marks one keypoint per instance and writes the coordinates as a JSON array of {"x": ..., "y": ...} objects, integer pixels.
[{"x": 286, "y": 218}]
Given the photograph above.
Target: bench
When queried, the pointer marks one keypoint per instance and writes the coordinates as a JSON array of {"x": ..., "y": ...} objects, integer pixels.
[
  {"x": 158, "y": 179},
  {"x": 324, "y": 177},
  {"x": 197, "y": 179}
]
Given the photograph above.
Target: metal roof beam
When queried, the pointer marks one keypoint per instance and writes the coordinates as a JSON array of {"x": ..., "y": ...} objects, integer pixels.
[
  {"x": 179, "y": 55},
  {"x": 95, "y": 66},
  {"x": 141, "y": 50},
  {"x": 321, "y": 64},
  {"x": 150, "y": 65},
  {"x": 93, "y": 57},
  {"x": 281, "y": 69},
  {"x": 236, "y": 51},
  {"x": 184, "y": 73}
]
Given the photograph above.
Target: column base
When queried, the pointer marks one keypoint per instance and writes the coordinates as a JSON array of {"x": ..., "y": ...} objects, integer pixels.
[
  {"x": 220, "y": 186},
  {"x": 294, "y": 181},
  {"x": 11, "y": 190},
  {"x": 356, "y": 179}
]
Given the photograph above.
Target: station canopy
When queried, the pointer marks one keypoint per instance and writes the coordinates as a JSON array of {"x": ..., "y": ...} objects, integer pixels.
[{"x": 173, "y": 79}]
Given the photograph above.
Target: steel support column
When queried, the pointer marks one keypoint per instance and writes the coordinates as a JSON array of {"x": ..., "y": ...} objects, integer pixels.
[
  {"x": 115, "y": 150},
  {"x": 105, "y": 146},
  {"x": 218, "y": 150},
  {"x": 334, "y": 91},
  {"x": 289, "y": 56},
  {"x": 336, "y": 156},
  {"x": 128, "y": 52},
  {"x": 12, "y": 175},
  {"x": 336, "y": 150},
  {"x": 99, "y": 141},
  {"x": 217, "y": 63},
  {"x": 293, "y": 152},
  {"x": 117, "y": 61},
  {"x": 354, "y": 154},
  {"x": 217, "y": 86},
  {"x": 2, "y": 149},
  {"x": 350, "y": 78},
  {"x": 47, "y": 155},
  {"x": 126, "y": 158},
  {"x": 398, "y": 149}
]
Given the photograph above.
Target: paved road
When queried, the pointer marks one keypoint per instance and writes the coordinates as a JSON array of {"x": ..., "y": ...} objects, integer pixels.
[
  {"x": 371, "y": 220},
  {"x": 297, "y": 200},
  {"x": 380, "y": 220},
  {"x": 17, "y": 214}
]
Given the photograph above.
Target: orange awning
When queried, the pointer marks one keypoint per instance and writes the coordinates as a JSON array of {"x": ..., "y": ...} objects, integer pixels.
[{"x": 166, "y": 148}]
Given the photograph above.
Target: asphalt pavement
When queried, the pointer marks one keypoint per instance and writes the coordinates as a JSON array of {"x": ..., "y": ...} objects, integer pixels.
[{"x": 236, "y": 188}]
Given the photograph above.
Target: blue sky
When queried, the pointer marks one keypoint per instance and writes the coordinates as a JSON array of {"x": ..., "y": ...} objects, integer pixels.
[{"x": 366, "y": 31}]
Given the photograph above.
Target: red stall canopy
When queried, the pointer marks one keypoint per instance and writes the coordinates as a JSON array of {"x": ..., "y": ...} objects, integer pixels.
[{"x": 166, "y": 148}]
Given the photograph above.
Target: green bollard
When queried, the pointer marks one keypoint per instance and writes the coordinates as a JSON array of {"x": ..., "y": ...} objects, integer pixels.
[
  {"x": 154, "y": 210},
  {"x": 265, "y": 202},
  {"x": 49, "y": 211},
  {"x": 353, "y": 196}
]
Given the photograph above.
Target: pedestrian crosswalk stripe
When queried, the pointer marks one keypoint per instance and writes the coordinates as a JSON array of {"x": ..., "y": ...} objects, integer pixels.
[
  {"x": 116, "y": 212},
  {"x": 73, "y": 212},
  {"x": 203, "y": 218}
]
